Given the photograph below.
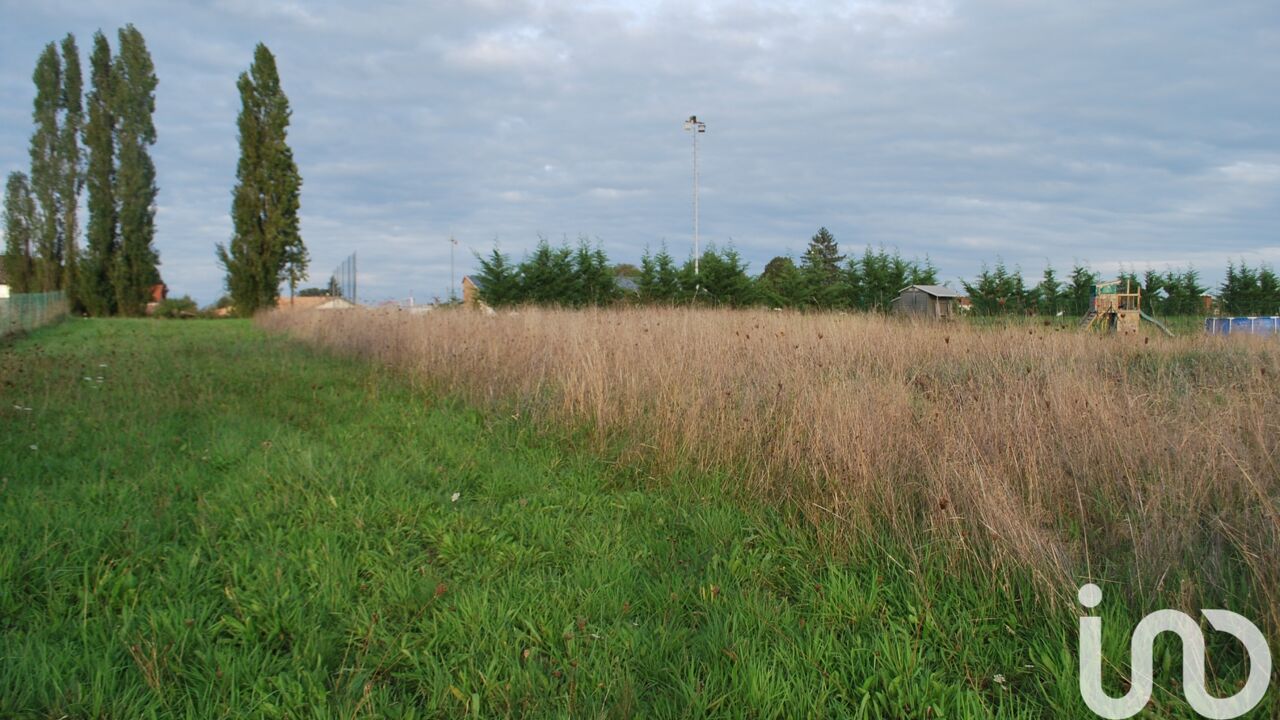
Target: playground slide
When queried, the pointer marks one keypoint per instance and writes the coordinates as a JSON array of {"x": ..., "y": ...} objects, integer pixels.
[{"x": 1156, "y": 322}]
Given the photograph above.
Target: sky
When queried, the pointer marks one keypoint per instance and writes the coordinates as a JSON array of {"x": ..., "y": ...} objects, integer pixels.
[{"x": 1138, "y": 134}]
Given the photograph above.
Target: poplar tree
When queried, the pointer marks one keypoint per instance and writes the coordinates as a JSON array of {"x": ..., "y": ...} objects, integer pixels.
[
  {"x": 19, "y": 232},
  {"x": 99, "y": 268},
  {"x": 266, "y": 245},
  {"x": 45, "y": 170},
  {"x": 135, "y": 187},
  {"x": 70, "y": 176}
]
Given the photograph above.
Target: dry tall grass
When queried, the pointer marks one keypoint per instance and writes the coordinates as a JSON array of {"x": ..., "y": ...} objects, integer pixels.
[{"x": 1069, "y": 454}]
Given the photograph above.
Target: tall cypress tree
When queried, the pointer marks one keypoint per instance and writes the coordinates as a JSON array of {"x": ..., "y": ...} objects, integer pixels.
[
  {"x": 45, "y": 169},
  {"x": 71, "y": 179},
  {"x": 266, "y": 245},
  {"x": 820, "y": 269},
  {"x": 135, "y": 188},
  {"x": 99, "y": 266},
  {"x": 20, "y": 229}
]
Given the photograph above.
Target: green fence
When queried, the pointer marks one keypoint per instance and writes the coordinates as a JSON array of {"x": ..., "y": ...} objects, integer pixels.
[{"x": 30, "y": 311}]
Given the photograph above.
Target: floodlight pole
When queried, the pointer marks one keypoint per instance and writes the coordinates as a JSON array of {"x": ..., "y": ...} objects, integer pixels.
[
  {"x": 453, "y": 245},
  {"x": 696, "y": 127}
]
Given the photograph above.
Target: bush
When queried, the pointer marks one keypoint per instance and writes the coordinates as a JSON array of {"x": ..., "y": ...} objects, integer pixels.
[{"x": 183, "y": 307}]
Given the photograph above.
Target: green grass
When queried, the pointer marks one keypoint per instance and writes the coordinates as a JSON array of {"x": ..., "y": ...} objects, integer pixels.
[{"x": 198, "y": 520}]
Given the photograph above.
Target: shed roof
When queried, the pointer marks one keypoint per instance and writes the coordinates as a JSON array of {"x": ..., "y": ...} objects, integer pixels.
[
  {"x": 475, "y": 281},
  {"x": 938, "y": 291}
]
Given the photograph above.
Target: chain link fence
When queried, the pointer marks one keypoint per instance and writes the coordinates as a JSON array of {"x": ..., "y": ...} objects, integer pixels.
[
  {"x": 342, "y": 283},
  {"x": 19, "y": 313}
]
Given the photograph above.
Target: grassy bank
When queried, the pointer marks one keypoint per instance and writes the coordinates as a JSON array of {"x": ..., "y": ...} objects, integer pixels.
[{"x": 199, "y": 520}]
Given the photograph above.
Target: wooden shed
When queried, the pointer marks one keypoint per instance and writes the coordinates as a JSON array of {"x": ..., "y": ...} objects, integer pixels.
[
  {"x": 929, "y": 301},
  {"x": 471, "y": 289}
]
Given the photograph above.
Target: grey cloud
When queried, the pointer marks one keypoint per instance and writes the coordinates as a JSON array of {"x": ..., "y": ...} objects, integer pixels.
[{"x": 1128, "y": 133}]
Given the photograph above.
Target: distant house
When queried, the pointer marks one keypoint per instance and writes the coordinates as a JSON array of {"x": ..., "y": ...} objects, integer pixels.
[
  {"x": 336, "y": 303},
  {"x": 928, "y": 301},
  {"x": 156, "y": 294},
  {"x": 313, "y": 302},
  {"x": 628, "y": 285}
]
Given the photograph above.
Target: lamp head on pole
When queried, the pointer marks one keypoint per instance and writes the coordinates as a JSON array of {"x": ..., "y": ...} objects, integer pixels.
[{"x": 693, "y": 124}]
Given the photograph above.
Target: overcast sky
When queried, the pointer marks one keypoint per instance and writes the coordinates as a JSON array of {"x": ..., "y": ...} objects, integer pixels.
[{"x": 1134, "y": 132}]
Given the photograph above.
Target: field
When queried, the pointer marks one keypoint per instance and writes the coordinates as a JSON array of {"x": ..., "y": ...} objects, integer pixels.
[{"x": 613, "y": 514}]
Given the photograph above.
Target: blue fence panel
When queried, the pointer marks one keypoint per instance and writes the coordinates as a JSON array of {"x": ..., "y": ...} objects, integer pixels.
[{"x": 1242, "y": 326}]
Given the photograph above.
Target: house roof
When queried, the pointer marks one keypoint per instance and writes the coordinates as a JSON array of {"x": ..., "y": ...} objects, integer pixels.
[
  {"x": 479, "y": 285},
  {"x": 627, "y": 284},
  {"x": 302, "y": 303},
  {"x": 938, "y": 291}
]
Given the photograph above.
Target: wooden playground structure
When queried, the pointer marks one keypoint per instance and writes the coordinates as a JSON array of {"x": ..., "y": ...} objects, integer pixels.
[{"x": 1118, "y": 312}]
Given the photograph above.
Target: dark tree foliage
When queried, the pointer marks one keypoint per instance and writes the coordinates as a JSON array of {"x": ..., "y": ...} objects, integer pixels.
[
  {"x": 1079, "y": 289},
  {"x": 70, "y": 172},
  {"x": 1250, "y": 291},
  {"x": 576, "y": 277},
  {"x": 875, "y": 279},
  {"x": 594, "y": 282},
  {"x": 266, "y": 245},
  {"x": 498, "y": 280},
  {"x": 20, "y": 229},
  {"x": 924, "y": 274},
  {"x": 1172, "y": 292},
  {"x": 46, "y": 169},
  {"x": 102, "y": 146},
  {"x": 781, "y": 284},
  {"x": 722, "y": 279},
  {"x": 99, "y": 270},
  {"x": 1047, "y": 296},
  {"x": 820, "y": 271},
  {"x": 998, "y": 292},
  {"x": 135, "y": 189},
  {"x": 659, "y": 279},
  {"x": 547, "y": 276}
]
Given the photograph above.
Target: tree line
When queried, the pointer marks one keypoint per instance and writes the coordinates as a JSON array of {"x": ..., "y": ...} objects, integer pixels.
[
  {"x": 1003, "y": 291},
  {"x": 99, "y": 142},
  {"x": 826, "y": 279},
  {"x": 582, "y": 275}
]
